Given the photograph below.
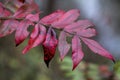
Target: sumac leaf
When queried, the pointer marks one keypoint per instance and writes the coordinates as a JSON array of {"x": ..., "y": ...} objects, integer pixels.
[
  {"x": 8, "y": 27},
  {"x": 68, "y": 18},
  {"x": 90, "y": 32},
  {"x": 49, "y": 46},
  {"x": 21, "y": 1},
  {"x": 63, "y": 46},
  {"x": 4, "y": 12},
  {"x": 25, "y": 9},
  {"x": 78, "y": 26},
  {"x": 21, "y": 31},
  {"x": 36, "y": 38},
  {"x": 77, "y": 53},
  {"x": 47, "y": 20},
  {"x": 97, "y": 48},
  {"x": 33, "y": 17}
]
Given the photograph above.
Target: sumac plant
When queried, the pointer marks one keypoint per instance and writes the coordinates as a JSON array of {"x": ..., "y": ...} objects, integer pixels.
[{"x": 26, "y": 13}]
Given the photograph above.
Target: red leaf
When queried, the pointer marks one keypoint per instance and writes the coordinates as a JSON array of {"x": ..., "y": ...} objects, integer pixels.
[
  {"x": 63, "y": 46},
  {"x": 4, "y": 12},
  {"x": 49, "y": 46},
  {"x": 21, "y": 32},
  {"x": 8, "y": 27},
  {"x": 90, "y": 32},
  {"x": 22, "y": 11},
  {"x": 78, "y": 26},
  {"x": 36, "y": 38},
  {"x": 22, "y": 1},
  {"x": 68, "y": 18},
  {"x": 97, "y": 48},
  {"x": 25, "y": 9},
  {"x": 33, "y": 17},
  {"x": 77, "y": 53},
  {"x": 47, "y": 20},
  {"x": 19, "y": 3}
]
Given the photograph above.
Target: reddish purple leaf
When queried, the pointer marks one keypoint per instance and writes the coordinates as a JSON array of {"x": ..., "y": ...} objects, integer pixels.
[
  {"x": 78, "y": 26},
  {"x": 27, "y": 1},
  {"x": 77, "y": 53},
  {"x": 47, "y": 20},
  {"x": 68, "y": 18},
  {"x": 8, "y": 27},
  {"x": 22, "y": 11},
  {"x": 22, "y": 1},
  {"x": 21, "y": 32},
  {"x": 19, "y": 3},
  {"x": 97, "y": 48},
  {"x": 36, "y": 38},
  {"x": 4, "y": 12},
  {"x": 33, "y": 17},
  {"x": 49, "y": 46},
  {"x": 25, "y": 9},
  {"x": 90, "y": 32},
  {"x": 63, "y": 46}
]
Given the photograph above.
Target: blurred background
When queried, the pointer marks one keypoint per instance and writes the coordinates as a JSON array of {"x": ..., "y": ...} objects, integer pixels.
[{"x": 105, "y": 14}]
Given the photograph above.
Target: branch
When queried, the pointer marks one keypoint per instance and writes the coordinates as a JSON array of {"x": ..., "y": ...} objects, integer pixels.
[
  {"x": 19, "y": 19},
  {"x": 6, "y": 18}
]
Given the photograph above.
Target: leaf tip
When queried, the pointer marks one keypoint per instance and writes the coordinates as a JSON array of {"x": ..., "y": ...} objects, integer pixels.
[
  {"x": 47, "y": 63},
  {"x": 113, "y": 60},
  {"x": 61, "y": 58},
  {"x": 26, "y": 49},
  {"x": 18, "y": 42},
  {"x": 24, "y": 52},
  {"x": 17, "y": 45},
  {"x": 74, "y": 66}
]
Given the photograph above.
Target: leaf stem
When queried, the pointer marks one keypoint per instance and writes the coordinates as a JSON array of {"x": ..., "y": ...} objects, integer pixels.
[
  {"x": 6, "y": 18},
  {"x": 19, "y": 19}
]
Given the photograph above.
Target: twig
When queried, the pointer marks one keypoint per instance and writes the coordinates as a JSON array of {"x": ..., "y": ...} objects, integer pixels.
[{"x": 6, "y": 18}]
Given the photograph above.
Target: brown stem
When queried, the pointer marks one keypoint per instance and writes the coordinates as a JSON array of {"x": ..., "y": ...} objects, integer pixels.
[
  {"x": 6, "y": 18},
  {"x": 19, "y": 19}
]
